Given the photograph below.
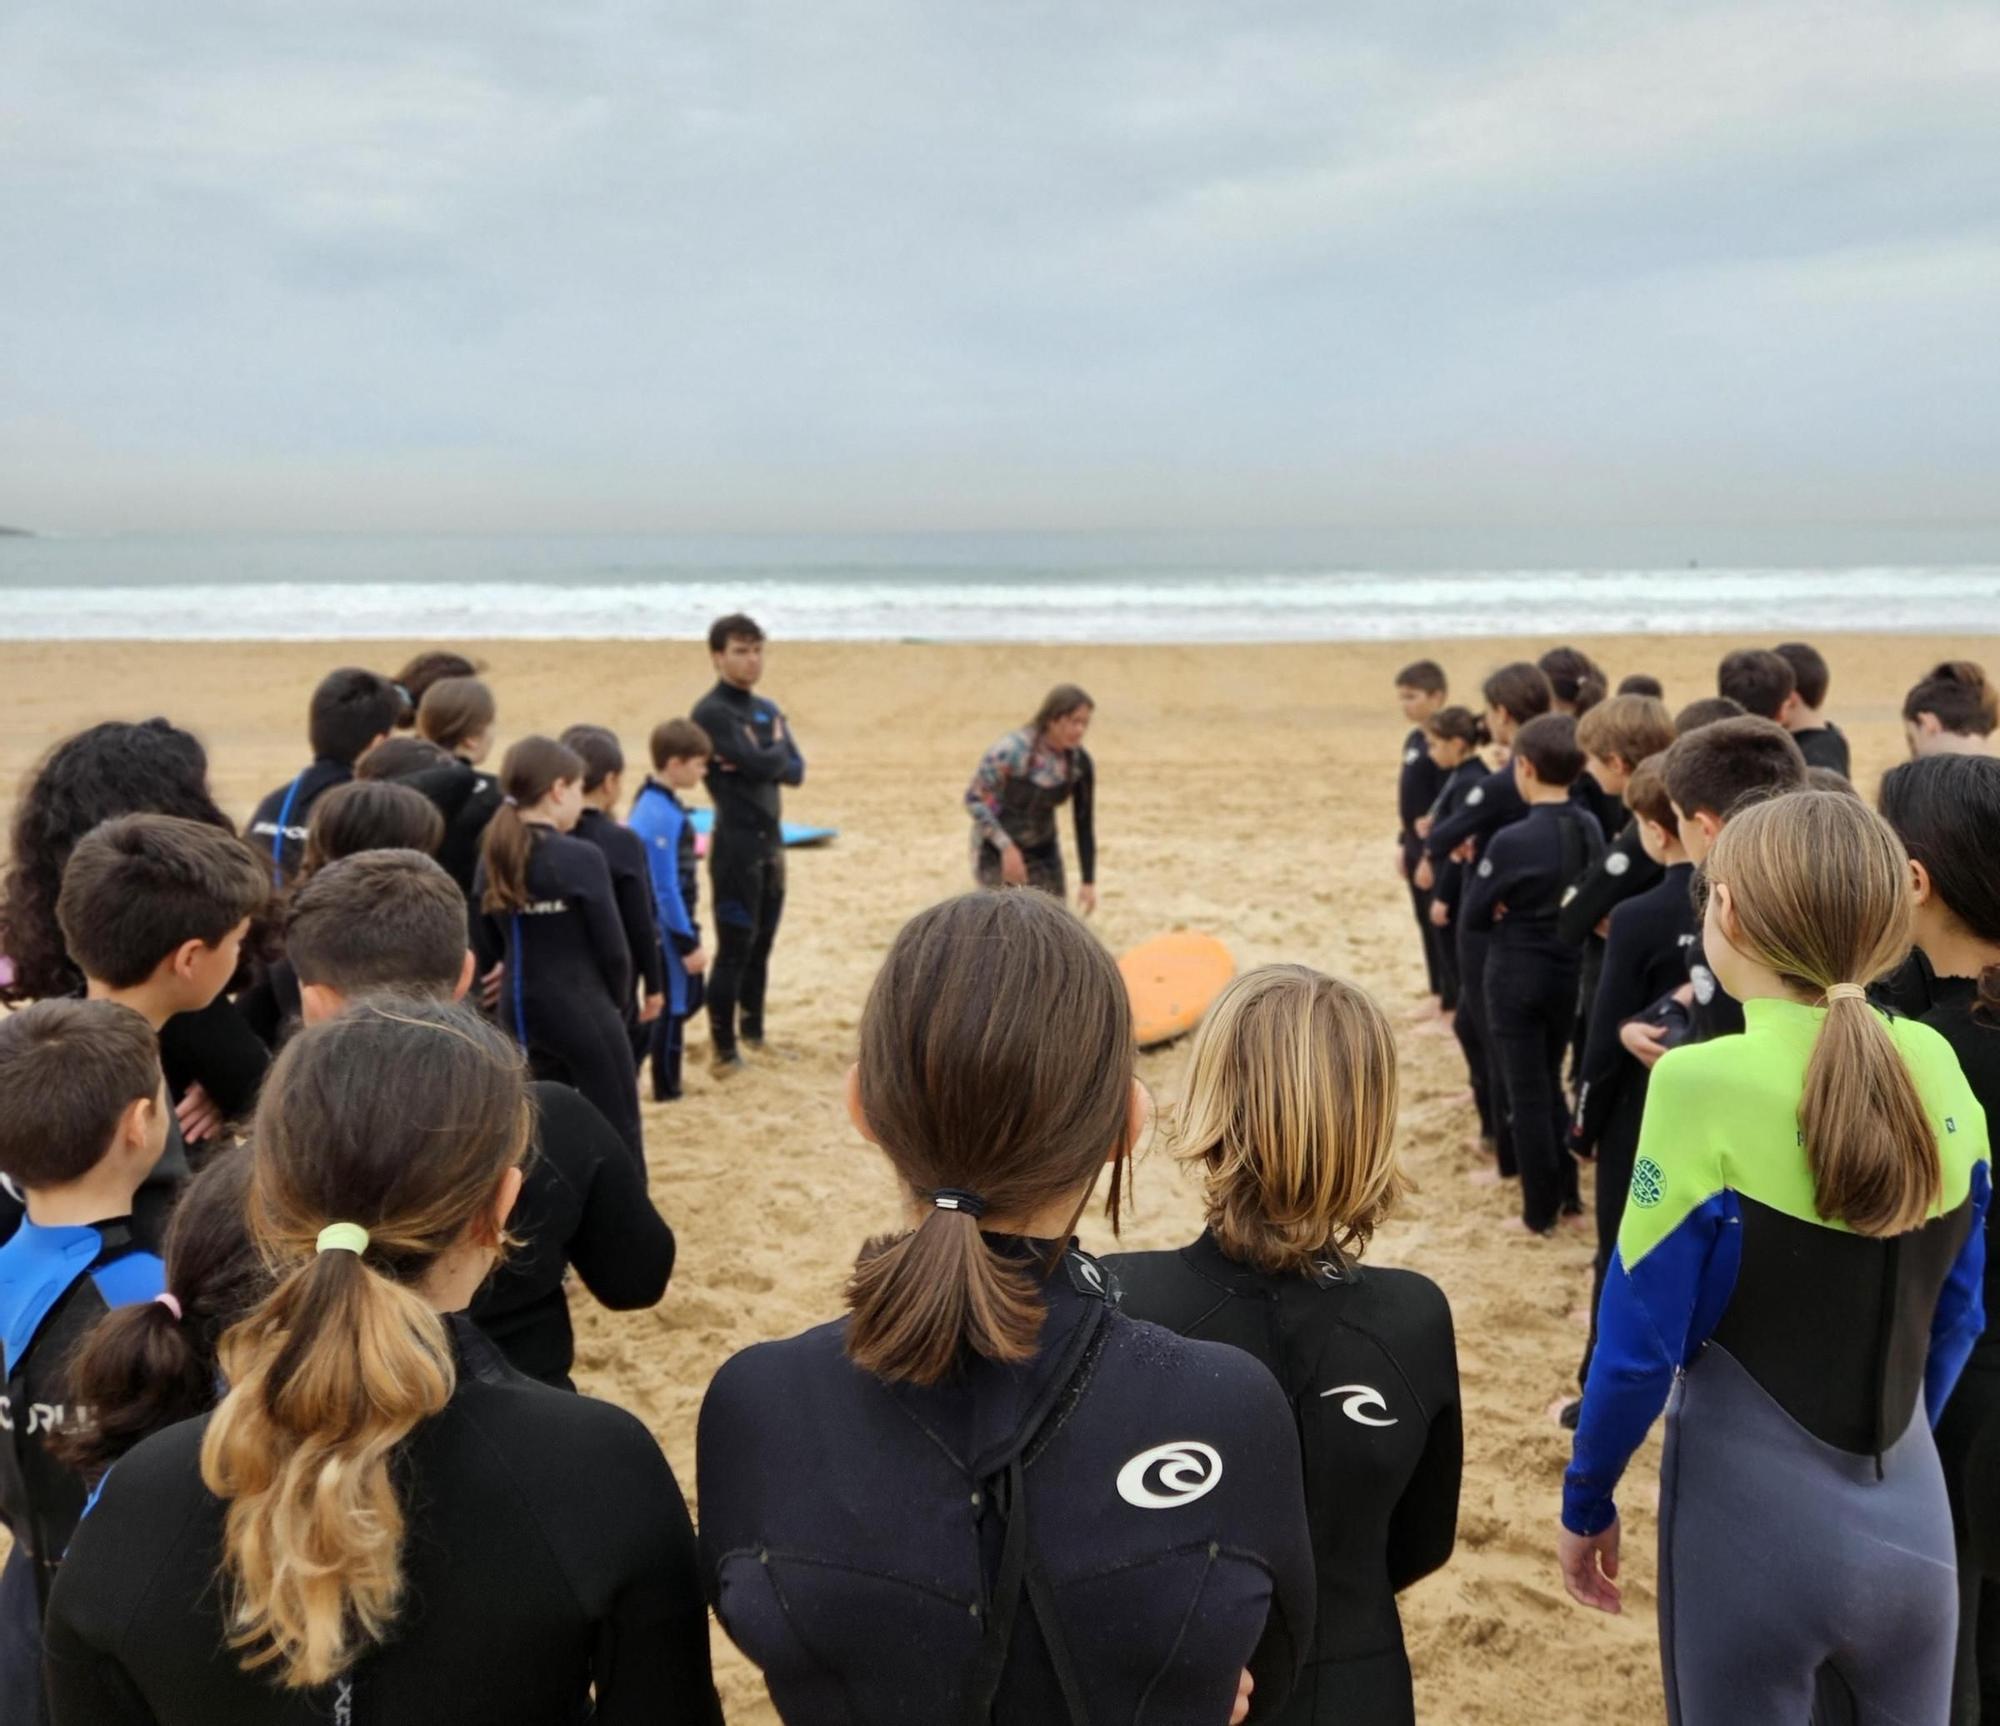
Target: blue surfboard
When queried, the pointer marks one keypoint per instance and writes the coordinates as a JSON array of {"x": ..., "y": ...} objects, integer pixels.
[{"x": 795, "y": 832}]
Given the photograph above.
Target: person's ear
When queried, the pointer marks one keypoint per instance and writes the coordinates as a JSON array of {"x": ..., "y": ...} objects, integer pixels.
[
  {"x": 1788, "y": 709},
  {"x": 186, "y": 957},
  {"x": 1725, "y": 914},
  {"x": 851, "y": 1091},
  {"x": 509, "y": 1196},
  {"x": 319, "y": 1002},
  {"x": 135, "y": 1123},
  {"x": 1620, "y": 765},
  {"x": 1709, "y": 822},
  {"x": 1921, "y": 887},
  {"x": 467, "y": 969},
  {"x": 1138, "y": 1112},
  {"x": 1929, "y": 725}
]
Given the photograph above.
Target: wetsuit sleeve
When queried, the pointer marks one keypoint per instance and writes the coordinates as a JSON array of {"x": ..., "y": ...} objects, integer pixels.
[
  {"x": 594, "y": 898},
  {"x": 1961, "y": 1311},
  {"x": 1665, "y": 1290},
  {"x": 642, "y": 934},
  {"x": 1492, "y": 878},
  {"x": 216, "y": 1048},
  {"x": 1485, "y": 808},
  {"x": 1423, "y": 1528},
  {"x": 732, "y": 738},
  {"x": 983, "y": 797},
  {"x": 489, "y": 935},
  {"x": 795, "y": 771},
  {"x": 86, "y": 1686},
  {"x": 1606, "y": 884},
  {"x": 663, "y": 864},
  {"x": 1085, "y": 802},
  {"x": 622, "y": 1249},
  {"x": 1621, "y": 994}
]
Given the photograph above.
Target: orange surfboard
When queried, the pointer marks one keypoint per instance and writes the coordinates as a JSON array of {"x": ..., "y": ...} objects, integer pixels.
[{"x": 1172, "y": 980}]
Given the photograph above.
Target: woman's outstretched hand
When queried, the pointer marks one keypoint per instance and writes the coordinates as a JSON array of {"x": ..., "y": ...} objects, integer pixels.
[
  {"x": 1590, "y": 1567},
  {"x": 1086, "y": 898}
]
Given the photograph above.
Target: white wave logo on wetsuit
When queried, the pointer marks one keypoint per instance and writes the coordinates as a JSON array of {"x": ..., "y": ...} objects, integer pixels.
[
  {"x": 1170, "y": 1475},
  {"x": 1703, "y": 980},
  {"x": 1618, "y": 863},
  {"x": 1359, "y": 1397}
]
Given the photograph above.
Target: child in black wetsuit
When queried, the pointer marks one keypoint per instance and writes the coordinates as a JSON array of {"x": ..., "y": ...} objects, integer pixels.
[
  {"x": 1820, "y": 741},
  {"x": 352, "y": 711},
  {"x": 549, "y": 917},
  {"x": 459, "y": 715},
  {"x": 603, "y": 758},
  {"x": 1420, "y": 691},
  {"x": 680, "y": 750},
  {"x": 1531, "y": 973},
  {"x": 1288, "y": 1112},
  {"x": 989, "y": 1493}
]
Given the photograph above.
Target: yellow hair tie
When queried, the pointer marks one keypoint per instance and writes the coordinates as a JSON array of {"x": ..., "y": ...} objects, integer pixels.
[
  {"x": 1847, "y": 992},
  {"x": 344, "y": 1238}
]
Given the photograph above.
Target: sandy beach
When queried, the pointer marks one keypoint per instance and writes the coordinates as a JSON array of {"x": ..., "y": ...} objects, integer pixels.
[{"x": 1246, "y": 792}]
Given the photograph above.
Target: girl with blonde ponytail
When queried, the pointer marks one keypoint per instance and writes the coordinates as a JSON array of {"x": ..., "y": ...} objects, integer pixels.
[
  {"x": 1803, "y": 1245},
  {"x": 986, "y": 1438},
  {"x": 379, "y": 1507}
]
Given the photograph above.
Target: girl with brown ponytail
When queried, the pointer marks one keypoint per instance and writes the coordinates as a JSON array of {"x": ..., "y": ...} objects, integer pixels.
[
  {"x": 381, "y": 1521},
  {"x": 547, "y": 920},
  {"x": 985, "y": 1438},
  {"x": 1803, "y": 1247}
]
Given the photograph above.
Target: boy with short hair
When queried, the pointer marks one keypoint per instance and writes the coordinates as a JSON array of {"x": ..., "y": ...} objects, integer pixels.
[
  {"x": 1762, "y": 681},
  {"x": 84, "y": 1117},
  {"x": 1617, "y": 737},
  {"x": 351, "y": 711},
  {"x": 394, "y": 922},
  {"x": 1820, "y": 741},
  {"x": 1421, "y": 689},
  {"x": 680, "y": 751},
  {"x": 1532, "y": 973},
  {"x": 153, "y": 910}
]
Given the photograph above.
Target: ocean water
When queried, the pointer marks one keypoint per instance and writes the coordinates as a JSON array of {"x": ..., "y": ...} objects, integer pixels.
[{"x": 954, "y": 588}]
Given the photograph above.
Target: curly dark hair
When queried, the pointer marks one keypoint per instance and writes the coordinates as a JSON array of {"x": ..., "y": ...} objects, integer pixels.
[{"x": 116, "y": 768}]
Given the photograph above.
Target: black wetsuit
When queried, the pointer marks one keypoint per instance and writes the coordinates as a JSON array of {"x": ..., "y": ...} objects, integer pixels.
[
  {"x": 55, "y": 1284},
  {"x": 278, "y": 828},
  {"x": 547, "y": 1551},
  {"x": 568, "y": 972},
  {"x": 217, "y": 1049},
  {"x": 1644, "y": 958},
  {"x": 1417, "y": 788},
  {"x": 1968, "y": 1437},
  {"x": 1109, "y": 1532},
  {"x": 1623, "y": 872},
  {"x": 584, "y": 1205},
  {"x": 632, "y": 889},
  {"x": 1367, "y": 1359},
  {"x": 1447, "y": 889},
  {"x": 1531, "y": 984},
  {"x": 746, "y": 857},
  {"x": 272, "y": 1005},
  {"x": 1824, "y": 746}
]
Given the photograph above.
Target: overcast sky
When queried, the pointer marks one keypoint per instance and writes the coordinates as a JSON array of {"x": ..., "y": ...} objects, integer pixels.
[{"x": 884, "y": 264}]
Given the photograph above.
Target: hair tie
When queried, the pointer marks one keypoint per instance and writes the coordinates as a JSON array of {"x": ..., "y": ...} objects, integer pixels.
[
  {"x": 951, "y": 1199},
  {"x": 171, "y": 1301},
  {"x": 511, "y": 802},
  {"x": 343, "y": 1238},
  {"x": 1846, "y": 992}
]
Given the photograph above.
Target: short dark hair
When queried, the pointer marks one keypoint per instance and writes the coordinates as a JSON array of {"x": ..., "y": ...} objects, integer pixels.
[
  {"x": 1642, "y": 683},
  {"x": 379, "y": 920},
  {"x": 1809, "y": 671},
  {"x": 1521, "y": 690},
  {"x": 1646, "y": 794},
  {"x": 137, "y": 887},
  {"x": 1758, "y": 678},
  {"x": 1957, "y": 695},
  {"x": 1706, "y": 711},
  {"x": 1549, "y": 746},
  {"x": 350, "y": 709},
  {"x": 1718, "y": 768},
  {"x": 602, "y": 753},
  {"x": 455, "y": 709},
  {"x": 68, "y": 1070},
  {"x": 734, "y": 627},
  {"x": 1829, "y": 779},
  {"x": 369, "y": 815},
  {"x": 1424, "y": 674},
  {"x": 401, "y": 757},
  {"x": 679, "y": 740},
  {"x": 431, "y": 666}
]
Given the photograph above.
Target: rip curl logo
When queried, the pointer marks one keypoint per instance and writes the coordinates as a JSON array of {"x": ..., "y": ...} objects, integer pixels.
[
  {"x": 1359, "y": 1397},
  {"x": 1485, "y": 867},
  {"x": 1410, "y": 756},
  {"x": 1475, "y": 797},
  {"x": 1649, "y": 1183},
  {"x": 1703, "y": 980},
  {"x": 1617, "y": 863},
  {"x": 1170, "y": 1475}
]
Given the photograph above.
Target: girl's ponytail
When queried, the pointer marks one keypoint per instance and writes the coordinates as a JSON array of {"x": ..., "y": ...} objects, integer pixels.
[
  {"x": 996, "y": 1074},
  {"x": 531, "y": 770},
  {"x": 353, "y": 1198},
  {"x": 1819, "y": 889}
]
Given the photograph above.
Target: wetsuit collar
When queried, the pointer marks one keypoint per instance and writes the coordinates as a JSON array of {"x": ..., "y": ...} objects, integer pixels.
[
  {"x": 38, "y": 1265},
  {"x": 1771, "y": 1013},
  {"x": 1207, "y": 1257}
]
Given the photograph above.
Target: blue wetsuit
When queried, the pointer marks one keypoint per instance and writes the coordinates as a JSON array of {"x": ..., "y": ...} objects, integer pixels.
[
  {"x": 1805, "y": 1536},
  {"x": 1110, "y": 1532},
  {"x": 568, "y": 972},
  {"x": 55, "y": 1284},
  {"x": 662, "y": 824}
]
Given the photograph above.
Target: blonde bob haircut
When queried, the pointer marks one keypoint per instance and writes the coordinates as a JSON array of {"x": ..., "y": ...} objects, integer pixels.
[{"x": 1289, "y": 1110}]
